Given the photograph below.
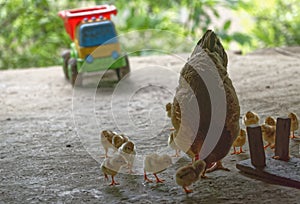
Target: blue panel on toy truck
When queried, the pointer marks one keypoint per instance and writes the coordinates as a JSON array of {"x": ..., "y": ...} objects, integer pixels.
[{"x": 97, "y": 33}]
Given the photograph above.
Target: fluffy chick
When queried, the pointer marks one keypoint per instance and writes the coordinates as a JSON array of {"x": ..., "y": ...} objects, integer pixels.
[
  {"x": 294, "y": 124},
  {"x": 154, "y": 163},
  {"x": 118, "y": 140},
  {"x": 187, "y": 175},
  {"x": 168, "y": 109},
  {"x": 111, "y": 166},
  {"x": 250, "y": 118},
  {"x": 106, "y": 140},
  {"x": 173, "y": 145},
  {"x": 127, "y": 150},
  {"x": 239, "y": 142},
  {"x": 269, "y": 134},
  {"x": 270, "y": 121}
]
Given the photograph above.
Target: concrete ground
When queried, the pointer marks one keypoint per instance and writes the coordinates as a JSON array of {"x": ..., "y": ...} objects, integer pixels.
[{"x": 50, "y": 148}]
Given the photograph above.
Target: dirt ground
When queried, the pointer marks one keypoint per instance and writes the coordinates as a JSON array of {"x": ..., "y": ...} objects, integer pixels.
[{"x": 50, "y": 148}]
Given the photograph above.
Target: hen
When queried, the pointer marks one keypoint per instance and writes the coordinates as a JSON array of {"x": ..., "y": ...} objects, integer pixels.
[{"x": 192, "y": 93}]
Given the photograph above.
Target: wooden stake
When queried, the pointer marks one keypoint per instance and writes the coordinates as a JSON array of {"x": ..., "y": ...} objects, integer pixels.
[
  {"x": 256, "y": 146},
  {"x": 282, "y": 140}
]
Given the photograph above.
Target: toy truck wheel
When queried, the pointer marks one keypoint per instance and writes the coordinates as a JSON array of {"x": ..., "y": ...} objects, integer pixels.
[
  {"x": 75, "y": 77},
  {"x": 124, "y": 70},
  {"x": 66, "y": 56}
]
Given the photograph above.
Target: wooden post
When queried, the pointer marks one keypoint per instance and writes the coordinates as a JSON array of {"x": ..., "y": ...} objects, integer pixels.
[
  {"x": 282, "y": 140},
  {"x": 256, "y": 146}
]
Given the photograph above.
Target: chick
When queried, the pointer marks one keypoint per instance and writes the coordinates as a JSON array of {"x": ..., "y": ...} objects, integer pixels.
[
  {"x": 173, "y": 145},
  {"x": 111, "y": 166},
  {"x": 127, "y": 150},
  {"x": 168, "y": 109},
  {"x": 251, "y": 118},
  {"x": 239, "y": 142},
  {"x": 155, "y": 164},
  {"x": 106, "y": 140},
  {"x": 187, "y": 175},
  {"x": 118, "y": 140},
  {"x": 269, "y": 134},
  {"x": 294, "y": 124},
  {"x": 270, "y": 121}
]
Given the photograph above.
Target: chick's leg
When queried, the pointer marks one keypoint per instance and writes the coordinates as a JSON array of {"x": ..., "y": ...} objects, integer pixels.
[
  {"x": 105, "y": 155},
  {"x": 267, "y": 145},
  {"x": 293, "y": 135},
  {"x": 146, "y": 178},
  {"x": 106, "y": 177},
  {"x": 241, "y": 150},
  {"x": 203, "y": 174},
  {"x": 158, "y": 180},
  {"x": 177, "y": 153},
  {"x": 187, "y": 190},
  {"x": 113, "y": 181},
  {"x": 217, "y": 166},
  {"x": 234, "y": 151}
]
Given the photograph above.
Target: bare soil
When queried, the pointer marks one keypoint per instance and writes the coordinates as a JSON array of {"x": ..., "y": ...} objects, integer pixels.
[{"x": 50, "y": 148}]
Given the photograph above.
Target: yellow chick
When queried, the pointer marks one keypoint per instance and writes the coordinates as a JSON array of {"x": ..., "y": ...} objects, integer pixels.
[
  {"x": 106, "y": 140},
  {"x": 155, "y": 164},
  {"x": 294, "y": 124},
  {"x": 168, "y": 109},
  {"x": 269, "y": 134},
  {"x": 127, "y": 150},
  {"x": 111, "y": 166},
  {"x": 239, "y": 142},
  {"x": 270, "y": 121},
  {"x": 173, "y": 145},
  {"x": 118, "y": 140},
  {"x": 187, "y": 175},
  {"x": 251, "y": 118}
]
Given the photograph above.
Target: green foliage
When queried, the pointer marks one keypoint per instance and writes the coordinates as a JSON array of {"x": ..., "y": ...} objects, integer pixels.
[
  {"x": 187, "y": 18},
  {"x": 32, "y": 34},
  {"x": 276, "y": 23}
]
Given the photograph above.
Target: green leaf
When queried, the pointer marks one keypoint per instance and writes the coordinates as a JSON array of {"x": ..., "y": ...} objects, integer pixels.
[{"x": 226, "y": 25}]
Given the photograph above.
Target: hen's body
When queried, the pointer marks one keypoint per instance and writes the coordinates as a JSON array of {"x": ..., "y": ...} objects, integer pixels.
[{"x": 208, "y": 47}]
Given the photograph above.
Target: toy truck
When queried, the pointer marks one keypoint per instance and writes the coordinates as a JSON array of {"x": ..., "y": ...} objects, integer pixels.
[{"x": 95, "y": 46}]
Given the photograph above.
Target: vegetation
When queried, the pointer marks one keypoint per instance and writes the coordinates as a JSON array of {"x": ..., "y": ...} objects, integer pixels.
[
  {"x": 32, "y": 34},
  {"x": 274, "y": 22}
]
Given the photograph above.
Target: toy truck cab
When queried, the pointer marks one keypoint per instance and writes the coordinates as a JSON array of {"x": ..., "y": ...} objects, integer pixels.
[{"x": 95, "y": 44}]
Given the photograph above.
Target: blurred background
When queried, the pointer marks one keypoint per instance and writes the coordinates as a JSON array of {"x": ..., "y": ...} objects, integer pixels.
[{"x": 32, "y": 34}]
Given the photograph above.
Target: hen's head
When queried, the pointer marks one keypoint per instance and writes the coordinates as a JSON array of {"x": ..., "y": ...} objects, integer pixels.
[{"x": 211, "y": 42}]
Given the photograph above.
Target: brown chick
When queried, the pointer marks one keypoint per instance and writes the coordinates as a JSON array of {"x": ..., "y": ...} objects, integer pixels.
[
  {"x": 187, "y": 175},
  {"x": 250, "y": 118},
  {"x": 106, "y": 140},
  {"x": 269, "y": 134},
  {"x": 208, "y": 50},
  {"x": 270, "y": 121},
  {"x": 239, "y": 142},
  {"x": 111, "y": 166},
  {"x": 294, "y": 124},
  {"x": 118, "y": 140}
]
